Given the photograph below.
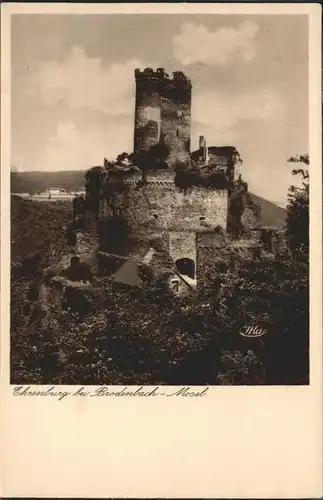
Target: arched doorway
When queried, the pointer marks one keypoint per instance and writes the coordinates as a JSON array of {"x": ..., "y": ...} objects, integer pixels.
[{"x": 186, "y": 267}]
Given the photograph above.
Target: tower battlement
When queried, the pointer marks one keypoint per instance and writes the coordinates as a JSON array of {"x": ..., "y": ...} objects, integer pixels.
[{"x": 177, "y": 80}]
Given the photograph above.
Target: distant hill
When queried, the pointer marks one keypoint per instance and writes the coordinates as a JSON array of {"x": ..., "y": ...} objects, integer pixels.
[
  {"x": 271, "y": 214},
  {"x": 30, "y": 182}
]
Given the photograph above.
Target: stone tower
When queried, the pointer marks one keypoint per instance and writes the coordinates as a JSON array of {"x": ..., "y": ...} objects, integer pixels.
[{"x": 163, "y": 112}]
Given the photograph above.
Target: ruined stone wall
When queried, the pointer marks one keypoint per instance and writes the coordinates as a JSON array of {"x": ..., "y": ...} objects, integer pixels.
[
  {"x": 218, "y": 159},
  {"x": 183, "y": 245},
  {"x": 147, "y": 118},
  {"x": 176, "y": 127},
  {"x": 161, "y": 206}
]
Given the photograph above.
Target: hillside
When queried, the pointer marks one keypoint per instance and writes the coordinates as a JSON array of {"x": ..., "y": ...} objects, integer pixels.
[
  {"x": 271, "y": 214},
  {"x": 38, "y": 227}
]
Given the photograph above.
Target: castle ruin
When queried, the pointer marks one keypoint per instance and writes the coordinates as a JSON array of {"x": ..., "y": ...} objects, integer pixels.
[{"x": 159, "y": 207}]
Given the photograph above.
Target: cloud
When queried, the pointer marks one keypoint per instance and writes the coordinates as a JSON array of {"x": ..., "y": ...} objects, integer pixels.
[
  {"x": 84, "y": 108},
  {"x": 84, "y": 82},
  {"x": 77, "y": 146},
  {"x": 67, "y": 149},
  {"x": 219, "y": 112},
  {"x": 252, "y": 122},
  {"x": 197, "y": 44}
]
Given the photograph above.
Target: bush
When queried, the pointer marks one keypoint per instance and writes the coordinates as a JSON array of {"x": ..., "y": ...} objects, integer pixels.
[
  {"x": 78, "y": 271},
  {"x": 78, "y": 301},
  {"x": 297, "y": 220}
]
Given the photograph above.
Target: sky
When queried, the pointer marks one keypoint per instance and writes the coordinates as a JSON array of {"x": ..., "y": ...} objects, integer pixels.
[{"x": 72, "y": 87}]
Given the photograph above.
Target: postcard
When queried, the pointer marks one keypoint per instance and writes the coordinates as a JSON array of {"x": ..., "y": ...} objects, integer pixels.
[{"x": 161, "y": 250}]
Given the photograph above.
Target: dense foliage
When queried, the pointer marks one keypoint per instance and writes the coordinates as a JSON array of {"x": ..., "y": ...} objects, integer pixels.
[
  {"x": 154, "y": 158},
  {"x": 146, "y": 336},
  {"x": 297, "y": 220},
  {"x": 188, "y": 176},
  {"x": 239, "y": 200}
]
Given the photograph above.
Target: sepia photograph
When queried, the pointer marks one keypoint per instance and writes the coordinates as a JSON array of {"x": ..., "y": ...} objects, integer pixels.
[{"x": 159, "y": 182}]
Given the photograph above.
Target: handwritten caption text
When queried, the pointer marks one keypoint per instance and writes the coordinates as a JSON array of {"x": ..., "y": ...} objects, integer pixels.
[{"x": 105, "y": 391}]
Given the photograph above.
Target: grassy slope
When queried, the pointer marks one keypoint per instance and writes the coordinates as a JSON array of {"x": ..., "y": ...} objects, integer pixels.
[{"x": 38, "y": 227}]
